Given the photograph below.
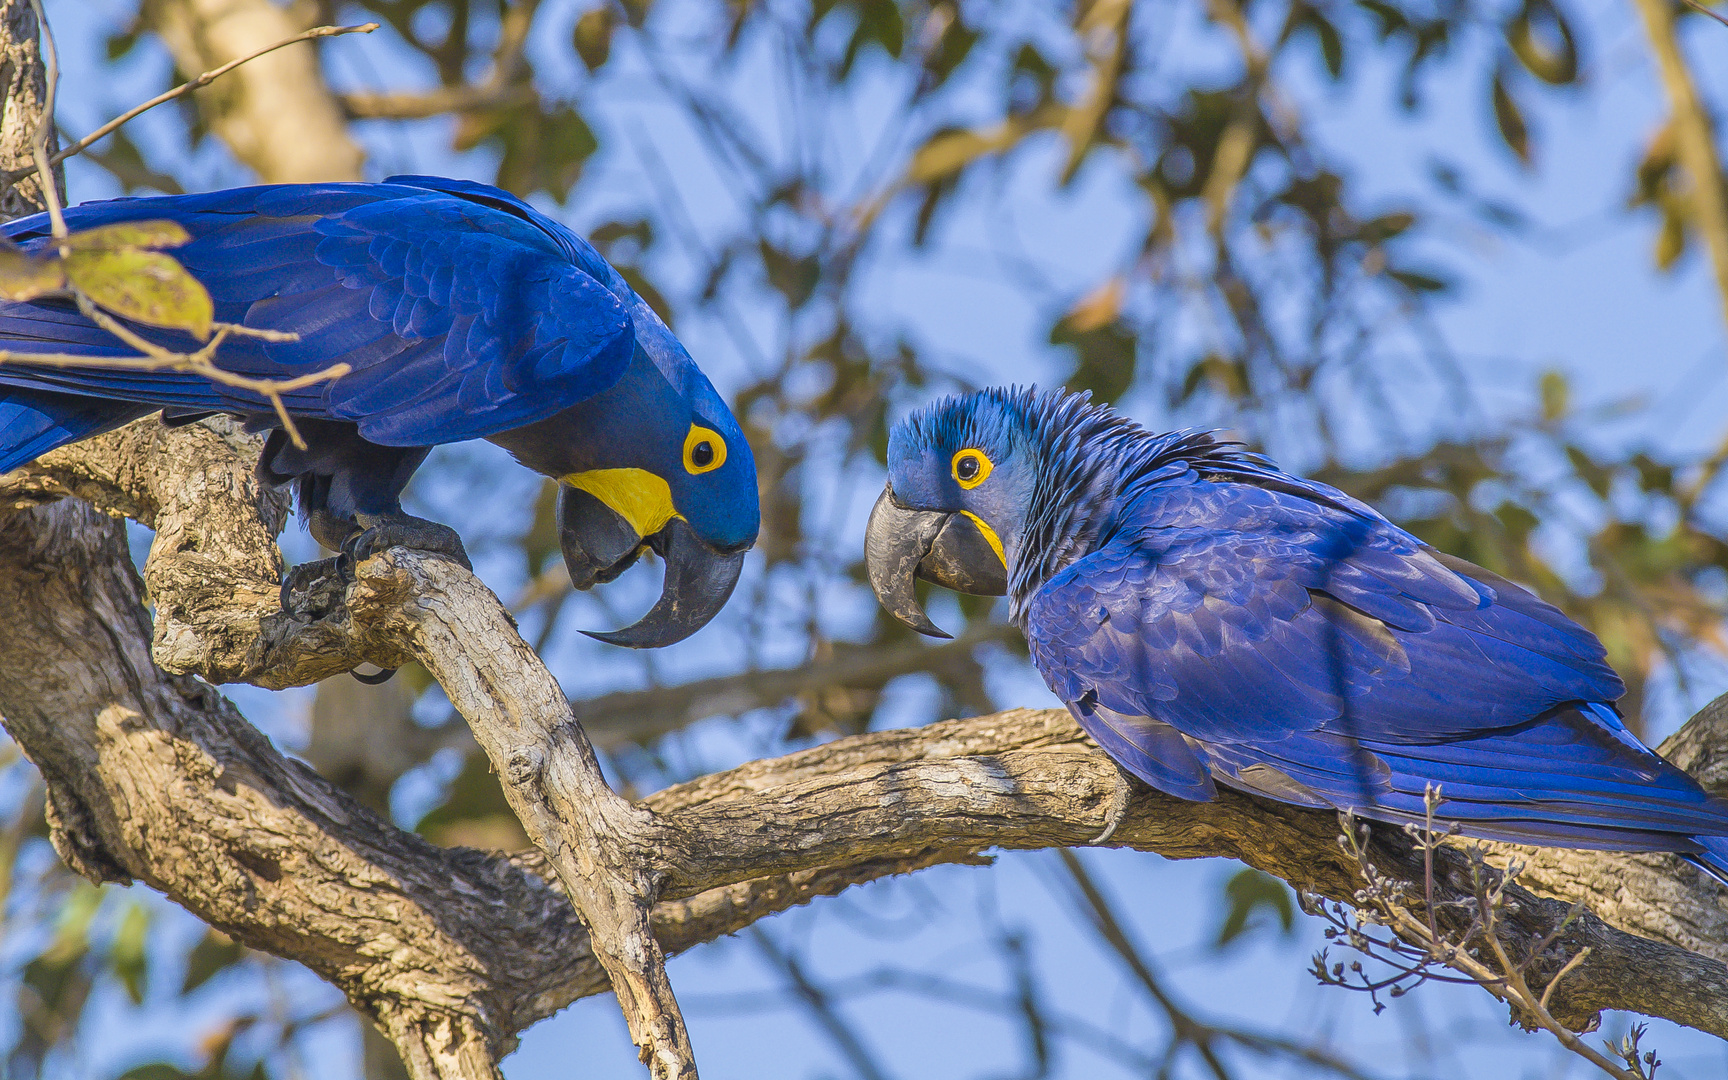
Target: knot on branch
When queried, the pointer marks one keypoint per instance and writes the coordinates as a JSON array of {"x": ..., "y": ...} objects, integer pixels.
[{"x": 525, "y": 766}]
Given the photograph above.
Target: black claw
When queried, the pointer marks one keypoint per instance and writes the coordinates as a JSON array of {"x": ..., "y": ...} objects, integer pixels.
[
  {"x": 313, "y": 590},
  {"x": 402, "y": 530}
]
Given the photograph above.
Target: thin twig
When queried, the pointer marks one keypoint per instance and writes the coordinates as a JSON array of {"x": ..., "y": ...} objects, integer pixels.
[
  {"x": 44, "y": 125},
  {"x": 194, "y": 84},
  {"x": 1696, "y": 6},
  {"x": 1382, "y": 901}
]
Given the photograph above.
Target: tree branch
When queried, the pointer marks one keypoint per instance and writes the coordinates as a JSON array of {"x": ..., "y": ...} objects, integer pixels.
[
  {"x": 410, "y": 105},
  {"x": 115, "y": 736}
]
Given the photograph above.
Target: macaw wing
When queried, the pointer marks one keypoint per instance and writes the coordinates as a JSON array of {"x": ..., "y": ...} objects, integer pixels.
[
  {"x": 1238, "y": 614},
  {"x": 459, "y": 318},
  {"x": 1319, "y": 655}
]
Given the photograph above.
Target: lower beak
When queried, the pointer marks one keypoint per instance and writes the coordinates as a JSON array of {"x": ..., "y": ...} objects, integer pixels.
[
  {"x": 599, "y": 545},
  {"x": 946, "y": 548}
]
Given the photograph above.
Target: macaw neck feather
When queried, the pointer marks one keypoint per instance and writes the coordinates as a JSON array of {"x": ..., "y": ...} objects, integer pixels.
[{"x": 1091, "y": 463}]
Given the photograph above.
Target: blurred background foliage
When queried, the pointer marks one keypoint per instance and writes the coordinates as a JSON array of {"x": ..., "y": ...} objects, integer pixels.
[{"x": 809, "y": 192}]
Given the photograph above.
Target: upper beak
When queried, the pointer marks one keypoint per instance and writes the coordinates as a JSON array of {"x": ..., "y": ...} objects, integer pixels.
[
  {"x": 599, "y": 545},
  {"x": 947, "y": 548}
]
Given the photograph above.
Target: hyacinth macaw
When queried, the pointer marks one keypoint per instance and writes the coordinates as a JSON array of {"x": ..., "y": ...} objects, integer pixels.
[
  {"x": 1209, "y": 619},
  {"x": 464, "y": 314}
]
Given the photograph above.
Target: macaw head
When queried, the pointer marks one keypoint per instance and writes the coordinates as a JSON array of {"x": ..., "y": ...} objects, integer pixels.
[
  {"x": 992, "y": 492},
  {"x": 657, "y": 461},
  {"x": 961, "y": 476}
]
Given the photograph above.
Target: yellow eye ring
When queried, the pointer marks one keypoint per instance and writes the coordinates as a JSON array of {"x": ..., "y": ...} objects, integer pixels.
[
  {"x": 971, "y": 467},
  {"x": 704, "y": 450}
]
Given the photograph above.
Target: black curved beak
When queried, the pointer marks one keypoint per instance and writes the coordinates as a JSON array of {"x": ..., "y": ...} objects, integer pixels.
[
  {"x": 947, "y": 548},
  {"x": 599, "y": 545}
]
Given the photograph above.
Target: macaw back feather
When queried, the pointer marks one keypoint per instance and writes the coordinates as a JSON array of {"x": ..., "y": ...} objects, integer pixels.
[{"x": 1211, "y": 619}]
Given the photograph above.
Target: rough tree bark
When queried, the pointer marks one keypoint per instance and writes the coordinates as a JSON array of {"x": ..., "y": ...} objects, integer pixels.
[{"x": 153, "y": 776}]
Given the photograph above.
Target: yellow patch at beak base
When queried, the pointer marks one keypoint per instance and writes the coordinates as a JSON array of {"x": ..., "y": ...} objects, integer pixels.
[
  {"x": 636, "y": 495},
  {"x": 990, "y": 536}
]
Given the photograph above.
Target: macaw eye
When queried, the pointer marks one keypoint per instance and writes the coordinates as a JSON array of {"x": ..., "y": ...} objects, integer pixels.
[
  {"x": 704, "y": 450},
  {"x": 971, "y": 467}
]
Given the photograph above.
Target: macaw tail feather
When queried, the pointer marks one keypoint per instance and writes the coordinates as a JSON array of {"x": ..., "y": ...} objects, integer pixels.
[
  {"x": 33, "y": 422},
  {"x": 1714, "y": 858}
]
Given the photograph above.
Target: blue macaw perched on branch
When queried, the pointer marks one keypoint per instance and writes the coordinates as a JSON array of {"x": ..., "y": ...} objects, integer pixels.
[
  {"x": 464, "y": 314},
  {"x": 1209, "y": 619}
]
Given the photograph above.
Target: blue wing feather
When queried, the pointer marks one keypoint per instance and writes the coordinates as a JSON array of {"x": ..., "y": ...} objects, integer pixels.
[
  {"x": 462, "y": 312},
  {"x": 1305, "y": 648}
]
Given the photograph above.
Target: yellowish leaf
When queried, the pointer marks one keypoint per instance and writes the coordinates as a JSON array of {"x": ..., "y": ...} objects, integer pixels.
[
  {"x": 25, "y": 277},
  {"x": 129, "y": 234},
  {"x": 948, "y": 152},
  {"x": 144, "y": 286},
  {"x": 1098, "y": 307}
]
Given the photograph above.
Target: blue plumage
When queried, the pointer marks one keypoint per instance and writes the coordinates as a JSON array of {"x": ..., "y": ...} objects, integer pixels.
[
  {"x": 461, "y": 319},
  {"x": 462, "y": 313},
  {"x": 1210, "y": 619}
]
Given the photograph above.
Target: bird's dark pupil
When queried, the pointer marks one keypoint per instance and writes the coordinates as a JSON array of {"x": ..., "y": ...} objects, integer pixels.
[
  {"x": 702, "y": 454},
  {"x": 968, "y": 468}
]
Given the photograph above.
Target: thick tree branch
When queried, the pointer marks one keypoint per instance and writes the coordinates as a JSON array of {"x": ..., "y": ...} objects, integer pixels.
[
  {"x": 401, "y": 608},
  {"x": 156, "y": 778},
  {"x": 891, "y": 800},
  {"x": 114, "y": 736}
]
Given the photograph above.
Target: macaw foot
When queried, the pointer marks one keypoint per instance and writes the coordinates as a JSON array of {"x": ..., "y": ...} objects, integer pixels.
[
  {"x": 312, "y": 590},
  {"x": 403, "y": 530}
]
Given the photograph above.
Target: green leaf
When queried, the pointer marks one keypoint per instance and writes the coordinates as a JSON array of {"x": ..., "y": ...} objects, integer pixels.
[
  {"x": 1670, "y": 239},
  {"x": 794, "y": 277},
  {"x": 1390, "y": 18},
  {"x": 121, "y": 157},
  {"x": 1555, "y": 395},
  {"x": 540, "y": 543},
  {"x": 1326, "y": 36},
  {"x": 128, "y": 234},
  {"x": 127, "y": 954},
  {"x": 475, "y": 814},
  {"x": 953, "y": 45},
  {"x": 1105, "y": 349},
  {"x": 1542, "y": 40},
  {"x": 144, "y": 286},
  {"x": 1385, "y": 227},
  {"x": 544, "y": 148},
  {"x": 157, "y": 1070},
  {"x": 25, "y": 277},
  {"x": 1418, "y": 281},
  {"x": 1510, "y": 120},
  {"x": 1246, "y": 892},
  {"x": 214, "y": 952},
  {"x": 57, "y": 975},
  {"x": 879, "y": 24},
  {"x": 1598, "y": 477},
  {"x": 593, "y": 37},
  {"x": 125, "y": 41}
]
